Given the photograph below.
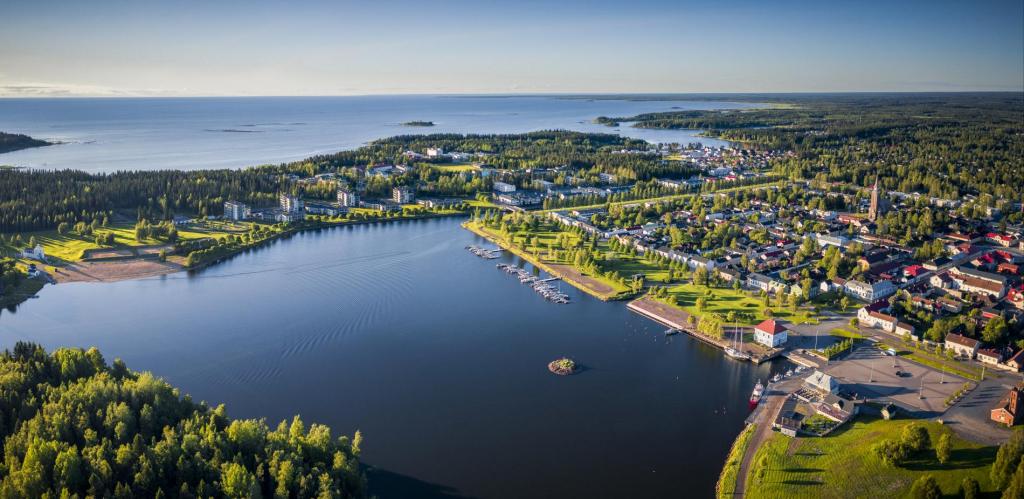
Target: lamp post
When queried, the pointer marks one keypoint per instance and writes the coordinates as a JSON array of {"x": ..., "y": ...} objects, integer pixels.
[{"x": 920, "y": 392}]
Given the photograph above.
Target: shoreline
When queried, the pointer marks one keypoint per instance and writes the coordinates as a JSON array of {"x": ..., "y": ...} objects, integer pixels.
[
  {"x": 670, "y": 316},
  {"x": 546, "y": 267},
  {"x": 141, "y": 267}
]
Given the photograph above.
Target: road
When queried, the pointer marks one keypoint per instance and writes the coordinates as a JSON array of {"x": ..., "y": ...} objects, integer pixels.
[{"x": 764, "y": 417}]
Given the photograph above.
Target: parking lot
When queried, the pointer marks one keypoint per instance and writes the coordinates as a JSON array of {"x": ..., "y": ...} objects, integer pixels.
[{"x": 872, "y": 374}]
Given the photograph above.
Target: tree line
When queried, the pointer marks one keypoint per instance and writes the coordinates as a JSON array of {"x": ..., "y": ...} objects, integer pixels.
[{"x": 74, "y": 426}]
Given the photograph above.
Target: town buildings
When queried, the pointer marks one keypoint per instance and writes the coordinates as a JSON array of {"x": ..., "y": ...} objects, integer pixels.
[
  {"x": 348, "y": 198},
  {"x": 403, "y": 194},
  {"x": 291, "y": 204},
  {"x": 234, "y": 210}
]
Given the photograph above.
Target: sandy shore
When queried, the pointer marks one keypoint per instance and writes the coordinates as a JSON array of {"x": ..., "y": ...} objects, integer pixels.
[{"x": 113, "y": 271}]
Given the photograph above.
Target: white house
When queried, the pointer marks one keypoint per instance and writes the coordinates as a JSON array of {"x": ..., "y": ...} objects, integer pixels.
[
  {"x": 36, "y": 253},
  {"x": 962, "y": 345},
  {"x": 871, "y": 318},
  {"x": 869, "y": 292},
  {"x": 770, "y": 333}
]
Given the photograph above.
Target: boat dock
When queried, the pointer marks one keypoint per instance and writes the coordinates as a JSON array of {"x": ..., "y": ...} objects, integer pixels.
[
  {"x": 541, "y": 286},
  {"x": 487, "y": 253}
]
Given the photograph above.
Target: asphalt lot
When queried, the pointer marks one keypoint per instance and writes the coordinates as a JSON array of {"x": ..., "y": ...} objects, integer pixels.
[{"x": 922, "y": 390}]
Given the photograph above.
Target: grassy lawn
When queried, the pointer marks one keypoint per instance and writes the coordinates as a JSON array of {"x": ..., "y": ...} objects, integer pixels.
[
  {"x": 457, "y": 167},
  {"x": 749, "y": 309},
  {"x": 70, "y": 247},
  {"x": 843, "y": 332},
  {"x": 844, "y": 465},
  {"x": 726, "y": 486}
]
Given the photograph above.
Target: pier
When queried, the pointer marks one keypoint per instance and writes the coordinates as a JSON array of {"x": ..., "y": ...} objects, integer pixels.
[
  {"x": 541, "y": 286},
  {"x": 675, "y": 318}
]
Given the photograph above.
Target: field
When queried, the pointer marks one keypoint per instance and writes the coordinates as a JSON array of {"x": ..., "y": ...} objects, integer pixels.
[
  {"x": 456, "y": 167},
  {"x": 70, "y": 247},
  {"x": 844, "y": 465},
  {"x": 749, "y": 309}
]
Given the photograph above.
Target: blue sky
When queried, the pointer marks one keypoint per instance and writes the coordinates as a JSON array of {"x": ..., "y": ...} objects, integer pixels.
[{"x": 253, "y": 47}]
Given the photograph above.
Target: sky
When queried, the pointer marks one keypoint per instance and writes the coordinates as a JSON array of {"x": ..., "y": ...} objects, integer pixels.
[{"x": 341, "y": 47}]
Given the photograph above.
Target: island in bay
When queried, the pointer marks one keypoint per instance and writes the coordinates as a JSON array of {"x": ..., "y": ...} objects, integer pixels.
[{"x": 857, "y": 260}]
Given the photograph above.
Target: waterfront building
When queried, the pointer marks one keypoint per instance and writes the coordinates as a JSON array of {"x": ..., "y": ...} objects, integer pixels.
[
  {"x": 329, "y": 209},
  {"x": 402, "y": 194},
  {"x": 821, "y": 382},
  {"x": 770, "y": 333},
  {"x": 348, "y": 198},
  {"x": 291, "y": 204},
  {"x": 233, "y": 210}
]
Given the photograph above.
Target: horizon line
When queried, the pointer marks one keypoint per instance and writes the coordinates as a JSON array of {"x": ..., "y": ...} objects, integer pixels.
[{"x": 517, "y": 94}]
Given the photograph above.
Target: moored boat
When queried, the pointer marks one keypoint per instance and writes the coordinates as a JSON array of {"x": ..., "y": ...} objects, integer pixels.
[{"x": 755, "y": 396}]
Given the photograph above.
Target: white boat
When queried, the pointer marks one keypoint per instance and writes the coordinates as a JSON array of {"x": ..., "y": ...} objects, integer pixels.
[
  {"x": 734, "y": 351},
  {"x": 736, "y": 354},
  {"x": 671, "y": 331}
]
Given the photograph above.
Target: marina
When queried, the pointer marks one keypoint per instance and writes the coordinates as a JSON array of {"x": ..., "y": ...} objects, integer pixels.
[
  {"x": 490, "y": 254},
  {"x": 541, "y": 286}
]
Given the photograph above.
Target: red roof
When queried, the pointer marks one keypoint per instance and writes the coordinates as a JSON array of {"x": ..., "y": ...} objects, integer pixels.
[
  {"x": 914, "y": 270},
  {"x": 770, "y": 326}
]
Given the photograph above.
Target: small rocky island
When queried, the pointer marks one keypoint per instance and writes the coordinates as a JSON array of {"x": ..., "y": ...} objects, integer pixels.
[
  {"x": 418, "y": 123},
  {"x": 10, "y": 142},
  {"x": 563, "y": 367}
]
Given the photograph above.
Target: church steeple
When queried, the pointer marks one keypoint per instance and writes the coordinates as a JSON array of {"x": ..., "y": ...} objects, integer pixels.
[{"x": 873, "y": 210}]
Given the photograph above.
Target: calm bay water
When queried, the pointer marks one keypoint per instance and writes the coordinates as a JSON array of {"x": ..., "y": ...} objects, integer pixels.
[
  {"x": 105, "y": 135},
  {"x": 438, "y": 357}
]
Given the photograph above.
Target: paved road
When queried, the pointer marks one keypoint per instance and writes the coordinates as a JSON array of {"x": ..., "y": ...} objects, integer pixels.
[{"x": 764, "y": 418}]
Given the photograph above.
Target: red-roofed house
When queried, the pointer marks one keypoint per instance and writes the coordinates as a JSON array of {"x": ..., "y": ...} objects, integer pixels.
[
  {"x": 1000, "y": 239},
  {"x": 770, "y": 333},
  {"x": 914, "y": 270}
]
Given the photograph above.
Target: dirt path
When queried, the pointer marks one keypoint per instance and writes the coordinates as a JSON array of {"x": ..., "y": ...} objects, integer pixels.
[{"x": 764, "y": 420}]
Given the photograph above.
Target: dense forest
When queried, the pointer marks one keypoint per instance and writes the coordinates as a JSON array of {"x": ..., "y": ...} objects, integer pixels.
[
  {"x": 74, "y": 426},
  {"x": 39, "y": 199},
  {"x": 943, "y": 145},
  {"x": 14, "y": 141}
]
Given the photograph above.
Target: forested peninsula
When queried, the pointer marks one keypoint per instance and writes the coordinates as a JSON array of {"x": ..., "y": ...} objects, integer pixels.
[
  {"x": 10, "y": 142},
  {"x": 74, "y": 426}
]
